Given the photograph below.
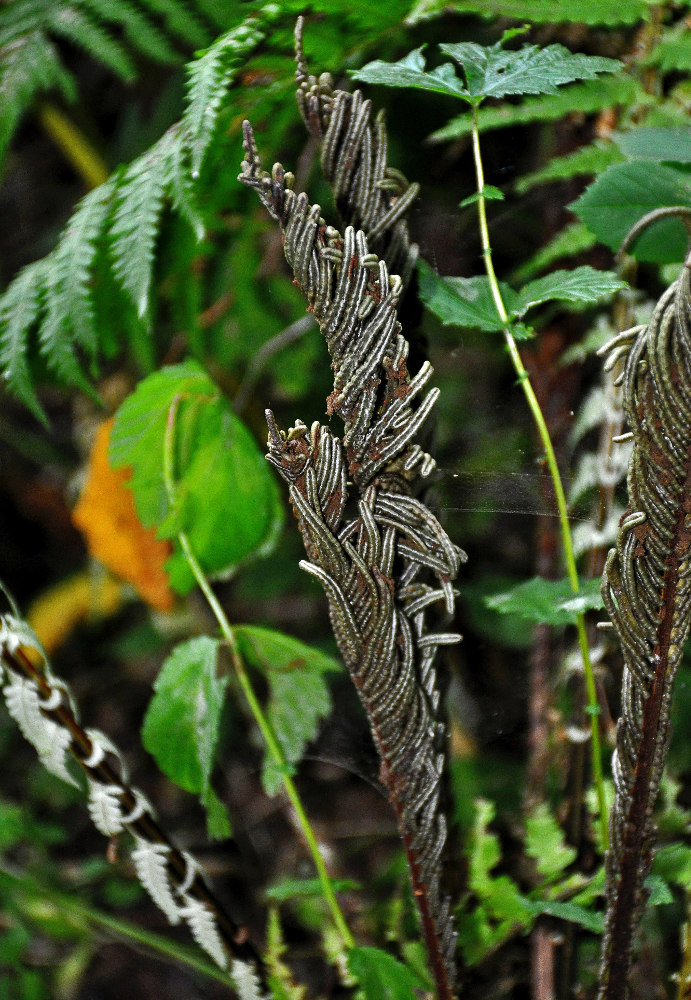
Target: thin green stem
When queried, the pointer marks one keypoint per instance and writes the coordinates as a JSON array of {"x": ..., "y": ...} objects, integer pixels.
[
  {"x": 76, "y": 909},
  {"x": 543, "y": 432},
  {"x": 263, "y": 723}
]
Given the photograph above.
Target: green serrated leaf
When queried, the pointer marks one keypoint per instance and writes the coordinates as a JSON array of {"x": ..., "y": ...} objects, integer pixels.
[
  {"x": 544, "y": 841},
  {"x": 585, "y": 98},
  {"x": 381, "y": 976},
  {"x": 464, "y": 302},
  {"x": 489, "y": 193},
  {"x": 656, "y": 143},
  {"x": 626, "y": 192},
  {"x": 584, "y": 286},
  {"x": 180, "y": 727},
  {"x": 226, "y": 500},
  {"x": 552, "y": 602},
  {"x": 493, "y": 71},
  {"x": 572, "y": 240},
  {"x": 299, "y": 693},
  {"x": 591, "y": 159},
  {"x": 410, "y": 72}
]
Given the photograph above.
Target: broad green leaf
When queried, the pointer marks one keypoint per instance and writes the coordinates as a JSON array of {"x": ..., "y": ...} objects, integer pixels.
[
  {"x": 544, "y": 841},
  {"x": 583, "y": 286},
  {"x": 410, "y": 72},
  {"x": 672, "y": 54},
  {"x": 299, "y": 693},
  {"x": 608, "y": 12},
  {"x": 464, "y": 302},
  {"x": 656, "y": 143},
  {"x": 552, "y": 602},
  {"x": 181, "y": 723},
  {"x": 624, "y": 194},
  {"x": 584, "y": 98},
  {"x": 659, "y": 891},
  {"x": 381, "y": 976},
  {"x": 673, "y": 863},
  {"x": 493, "y": 71},
  {"x": 226, "y": 500}
]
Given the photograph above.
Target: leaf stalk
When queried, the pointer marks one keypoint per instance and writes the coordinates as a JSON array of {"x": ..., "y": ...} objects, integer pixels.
[{"x": 546, "y": 441}]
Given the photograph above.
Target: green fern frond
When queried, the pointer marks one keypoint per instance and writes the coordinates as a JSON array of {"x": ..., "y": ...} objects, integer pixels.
[
  {"x": 141, "y": 33},
  {"x": 138, "y": 206},
  {"x": 592, "y": 159},
  {"x": 673, "y": 52},
  {"x": 209, "y": 76},
  {"x": 68, "y": 300},
  {"x": 20, "y": 306},
  {"x": 181, "y": 21},
  {"x": 29, "y": 65},
  {"x": 82, "y": 30}
]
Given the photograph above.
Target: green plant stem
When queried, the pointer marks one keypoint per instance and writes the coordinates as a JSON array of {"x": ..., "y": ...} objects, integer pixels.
[
  {"x": 593, "y": 708},
  {"x": 75, "y": 909},
  {"x": 73, "y": 144},
  {"x": 263, "y": 723}
]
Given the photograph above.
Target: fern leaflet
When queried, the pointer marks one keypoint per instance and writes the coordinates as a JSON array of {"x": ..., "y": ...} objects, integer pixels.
[
  {"x": 19, "y": 309},
  {"x": 82, "y": 30},
  {"x": 140, "y": 32}
]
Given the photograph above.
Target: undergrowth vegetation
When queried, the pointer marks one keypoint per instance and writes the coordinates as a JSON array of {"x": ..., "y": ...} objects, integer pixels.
[{"x": 494, "y": 444}]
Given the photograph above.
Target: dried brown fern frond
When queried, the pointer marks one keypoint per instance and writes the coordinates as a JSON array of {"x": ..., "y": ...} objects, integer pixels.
[
  {"x": 647, "y": 593},
  {"x": 375, "y": 566}
]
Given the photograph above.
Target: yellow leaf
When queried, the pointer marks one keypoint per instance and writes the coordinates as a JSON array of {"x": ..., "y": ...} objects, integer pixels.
[{"x": 106, "y": 516}]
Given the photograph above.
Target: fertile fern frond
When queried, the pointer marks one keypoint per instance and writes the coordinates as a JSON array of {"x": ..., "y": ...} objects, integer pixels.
[
  {"x": 45, "y": 712},
  {"x": 372, "y": 567},
  {"x": 647, "y": 593}
]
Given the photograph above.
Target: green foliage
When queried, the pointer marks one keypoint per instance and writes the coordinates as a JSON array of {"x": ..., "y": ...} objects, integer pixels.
[
  {"x": 655, "y": 143},
  {"x": 181, "y": 725},
  {"x": 381, "y": 976},
  {"x": 607, "y": 12},
  {"x": 125, "y": 214},
  {"x": 489, "y": 71},
  {"x": 226, "y": 501},
  {"x": 468, "y": 302},
  {"x": 299, "y": 693},
  {"x": 544, "y": 841},
  {"x": 550, "y": 601},
  {"x": 584, "y": 98},
  {"x": 592, "y": 159},
  {"x": 612, "y": 205},
  {"x": 572, "y": 240}
]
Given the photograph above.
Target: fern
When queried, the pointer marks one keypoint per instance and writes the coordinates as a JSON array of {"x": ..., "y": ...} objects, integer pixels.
[
  {"x": 80, "y": 28},
  {"x": 29, "y": 65},
  {"x": 607, "y": 12},
  {"x": 56, "y": 295},
  {"x": 592, "y": 159}
]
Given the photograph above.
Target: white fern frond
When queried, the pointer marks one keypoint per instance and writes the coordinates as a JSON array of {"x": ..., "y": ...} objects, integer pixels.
[
  {"x": 105, "y": 808},
  {"x": 246, "y": 981},
  {"x": 202, "y": 922},
  {"x": 150, "y": 862},
  {"x": 50, "y": 741}
]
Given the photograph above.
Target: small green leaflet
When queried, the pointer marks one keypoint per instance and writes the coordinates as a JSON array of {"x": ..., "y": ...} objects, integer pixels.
[
  {"x": 294, "y": 888},
  {"x": 468, "y": 302},
  {"x": 181, "y": 724},
  {"x": 226, "y": 499},
  {"x": 537, "y": 11},
  {"x": 551, "y": 602},
  {"x": 573, "y": 912},
  {"x": 489, "y": 193},
  {"x": 653, "y": 143},
  {"x": 299, "y": 693},
  {"x": 381, "y": 976},
  {"x": 489, "y": 71},
  {"x": 624, "y": 194},
  {"x": 544, "y": 841}
]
